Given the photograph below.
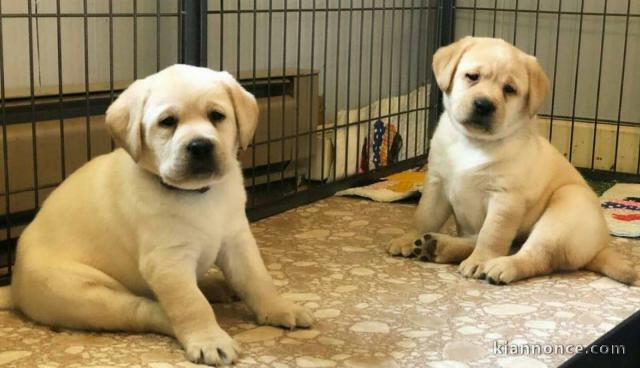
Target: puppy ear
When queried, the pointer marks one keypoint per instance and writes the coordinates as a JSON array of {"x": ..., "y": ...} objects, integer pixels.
[
  {"x": 445, "y": 62},
  {"x": 124, "y": 118},
  {"x": 245, "y": 109},
  {"x": 538, "y": 85}
]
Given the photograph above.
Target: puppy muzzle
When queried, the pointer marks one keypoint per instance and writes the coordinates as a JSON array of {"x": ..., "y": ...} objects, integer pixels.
[
  {"x": 200, "y": 154},
  {"x": 481, "y": 114}
]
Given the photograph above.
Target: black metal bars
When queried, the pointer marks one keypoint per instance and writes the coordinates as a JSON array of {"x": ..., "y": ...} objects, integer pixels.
[
  {"x": 345, "y": 88},
  {"x": 193, "y": 18}
]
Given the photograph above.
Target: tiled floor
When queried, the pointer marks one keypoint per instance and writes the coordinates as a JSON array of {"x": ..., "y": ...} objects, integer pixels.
[{"x": 372, "y": 310}]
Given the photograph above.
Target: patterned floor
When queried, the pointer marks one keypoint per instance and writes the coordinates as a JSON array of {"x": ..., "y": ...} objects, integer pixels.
[{"x": 372, "y": 310}]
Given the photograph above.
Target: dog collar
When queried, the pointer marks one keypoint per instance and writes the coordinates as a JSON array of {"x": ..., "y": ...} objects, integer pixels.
[{"x": 171, "y": 187}]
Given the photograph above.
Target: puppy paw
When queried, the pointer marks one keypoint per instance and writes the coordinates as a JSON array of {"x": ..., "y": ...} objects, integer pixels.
[
  {"x": 218, "y": 349},
  {"x": 283, "y": 313},
  {"x": 474, "y": 265},
  {"x": 440, "y": 248},
  {"x": 501, "y": 270},
  {"x": 443, "y": 248},
  {"x": 425, "y": 248},
  {"x": 403, "y": 246}
]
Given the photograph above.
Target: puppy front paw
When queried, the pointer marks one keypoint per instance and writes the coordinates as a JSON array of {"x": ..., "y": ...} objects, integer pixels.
[
  {"x": 502, "y": 270},
  {"x": 217, "y": 349},
  {"x": 474, "y": 265},
  {"x": 283, "y": 313}
]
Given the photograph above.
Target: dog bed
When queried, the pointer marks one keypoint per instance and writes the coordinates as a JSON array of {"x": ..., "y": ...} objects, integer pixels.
[
  {"x": 391, "y": 188},
  {"x": 621, "y": 205},
  {"x": 372, "y": 136}
]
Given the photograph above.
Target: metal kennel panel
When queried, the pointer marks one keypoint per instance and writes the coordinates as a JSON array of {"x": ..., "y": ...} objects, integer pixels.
[
  {"x": 591, "y": 51},
  {"x": 333, "y": 79},
  {"x": 345, "y": 88},
  {"x": 324, "y": 72},
  {"x": 61, "y": 65}
]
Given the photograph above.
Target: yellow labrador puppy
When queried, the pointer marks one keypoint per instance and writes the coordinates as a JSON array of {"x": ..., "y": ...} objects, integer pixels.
[
  {"x": 123, "y": 242},
  {"x": 501, "y": 180}
]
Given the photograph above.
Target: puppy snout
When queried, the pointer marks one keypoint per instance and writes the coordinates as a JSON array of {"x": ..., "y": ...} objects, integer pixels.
[
  {"x": 200, "y": 148},
  {"x": 483, "y": 107},
  {"x": 201, "y": 152}
]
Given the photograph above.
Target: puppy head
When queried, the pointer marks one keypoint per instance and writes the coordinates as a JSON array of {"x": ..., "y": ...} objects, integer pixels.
[
  {"x": 184, "y": 124},
  {"x": 490, "y": 87}
]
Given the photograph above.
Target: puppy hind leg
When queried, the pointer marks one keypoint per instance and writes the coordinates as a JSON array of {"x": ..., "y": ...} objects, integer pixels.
[
  {"x": 535, "y": 258},
  {"x": 586, "y": 236},
  {"x": 433, "y": 211},
  {"x": 566, "y": 237},
  {"x": 443, "y": 248},
  {"x": 613, "y": 264},
  {"x": 81, "y": 297}
]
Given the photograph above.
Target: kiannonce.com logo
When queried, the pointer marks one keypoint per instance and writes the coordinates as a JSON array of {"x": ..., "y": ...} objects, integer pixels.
[{"x": 504, "y": 347}]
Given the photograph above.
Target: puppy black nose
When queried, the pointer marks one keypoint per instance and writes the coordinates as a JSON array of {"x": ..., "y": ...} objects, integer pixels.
[
  {"x": 483, "y": 107},
  {"x": 200, "y": 148}
]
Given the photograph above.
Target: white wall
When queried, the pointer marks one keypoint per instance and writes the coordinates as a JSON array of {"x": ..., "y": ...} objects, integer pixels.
[
  {"x": 399, "y": 47},
  {"x": 410, "y": 52},
  {"x": 570, "y": 65},
  {"x": 45, "y": 54}
]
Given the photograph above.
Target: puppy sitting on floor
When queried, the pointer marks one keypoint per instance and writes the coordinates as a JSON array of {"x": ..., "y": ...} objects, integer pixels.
[
  {"x": 123, "y": 242},
  {"x": 501, "y": 180}
]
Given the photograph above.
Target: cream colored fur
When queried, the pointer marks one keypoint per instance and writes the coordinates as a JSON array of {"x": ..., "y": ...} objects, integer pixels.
[
  {"x": 112, "y": 248},
  {"x": 503, "y": 181}
]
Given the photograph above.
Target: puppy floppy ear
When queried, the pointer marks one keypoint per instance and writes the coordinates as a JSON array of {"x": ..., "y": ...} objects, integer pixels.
[
  {"x": 245, "y": 108},
  {"x": 538, "y": 85},
  {"x": 124, "y": 118},
  {"x": 445, "y": 62}
]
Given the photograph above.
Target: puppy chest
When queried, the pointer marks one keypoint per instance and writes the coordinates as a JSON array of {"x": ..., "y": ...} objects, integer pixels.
[{"x": 468, "y": 200}]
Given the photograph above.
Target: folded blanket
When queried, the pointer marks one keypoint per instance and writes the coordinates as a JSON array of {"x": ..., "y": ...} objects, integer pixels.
[
  {"x": 621, "y": 205},
  {"x": 390, "y": 189}
]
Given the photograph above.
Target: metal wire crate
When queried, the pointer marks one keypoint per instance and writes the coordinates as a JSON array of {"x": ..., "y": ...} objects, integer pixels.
[{"x": 325, "y": 72}]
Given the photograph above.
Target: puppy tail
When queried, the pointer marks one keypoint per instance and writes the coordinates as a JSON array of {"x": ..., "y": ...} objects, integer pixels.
[
  {"x": 611, "y": 263},
  {"x": 6, "y": 300}
]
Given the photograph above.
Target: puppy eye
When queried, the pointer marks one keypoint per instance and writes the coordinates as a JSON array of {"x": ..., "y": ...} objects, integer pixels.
[
  {"x": 472, "y": 76},
  {"x": 508, "y": 89},
  {"x": 168, "y": 122},
  {"x": 216, "y": 117}
]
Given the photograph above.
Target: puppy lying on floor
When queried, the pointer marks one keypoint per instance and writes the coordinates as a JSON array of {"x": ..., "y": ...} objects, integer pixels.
[
  {"x": 123, "y": 242},
  {"x": 501, "y": 180}
]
